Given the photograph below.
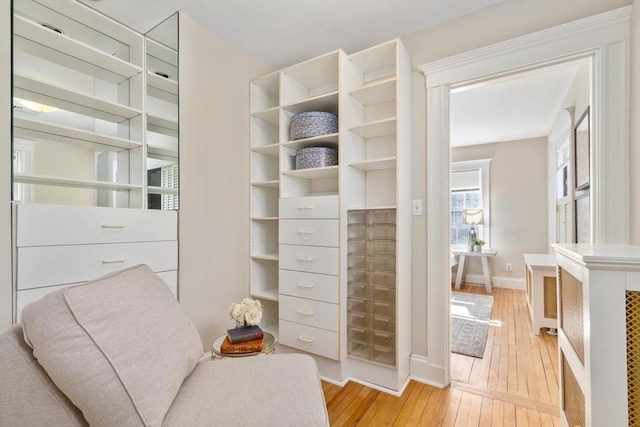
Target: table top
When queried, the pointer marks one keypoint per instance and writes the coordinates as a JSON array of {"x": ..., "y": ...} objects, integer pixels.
[
  {"x": 487, "y": 252},
  {"x": 540, "y": 260},
  {"x": 268, "y": 343}
]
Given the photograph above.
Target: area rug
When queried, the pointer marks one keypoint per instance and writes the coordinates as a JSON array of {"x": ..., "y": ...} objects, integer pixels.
[{"x": 470, "y": 323}]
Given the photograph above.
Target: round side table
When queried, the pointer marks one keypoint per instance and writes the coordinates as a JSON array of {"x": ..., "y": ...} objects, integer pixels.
[{"x": 268, "y": 347}]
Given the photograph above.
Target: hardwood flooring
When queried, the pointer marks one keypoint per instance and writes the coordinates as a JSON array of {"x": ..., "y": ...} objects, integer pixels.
[{"x": 514, "y": 384}]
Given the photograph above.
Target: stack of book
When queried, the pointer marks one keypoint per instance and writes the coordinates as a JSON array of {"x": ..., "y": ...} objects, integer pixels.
[{"x": 242, "y": 341}]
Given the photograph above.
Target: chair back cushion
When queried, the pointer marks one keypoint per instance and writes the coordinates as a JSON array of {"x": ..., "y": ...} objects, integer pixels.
[
  {"x": 28, "y": 397},
  {"x": 119, "y": 347}
]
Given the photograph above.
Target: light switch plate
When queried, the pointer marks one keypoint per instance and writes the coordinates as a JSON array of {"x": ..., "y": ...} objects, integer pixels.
[{"x": 417, "y": 208}]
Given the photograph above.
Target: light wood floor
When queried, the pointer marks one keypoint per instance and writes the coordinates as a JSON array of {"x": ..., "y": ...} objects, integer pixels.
[{"x": 514, "y": 384}]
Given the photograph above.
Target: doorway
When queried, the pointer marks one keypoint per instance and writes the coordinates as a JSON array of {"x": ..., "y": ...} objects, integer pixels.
[{"x": 607, "y": 49}]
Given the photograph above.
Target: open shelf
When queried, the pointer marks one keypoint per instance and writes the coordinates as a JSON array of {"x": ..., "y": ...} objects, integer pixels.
[
  {"x": 161, "y": 153},
  {"x": 35, "y": 130},
  {"x": 162, "y": 87},
  {"x": 265, "y": 92},
  {"x": 55, "y": 96},
  {"x": 270, "y": 294},
  {"x": 161, "y": 125},
  {"x": 376, "y": 93},
  {"x": 61, "y": 49},
  {"x": 314, "y": 173},
  {"x": 266, "y": 257},
  {"x": 375, "y": 129},
  {"x": 326, "y": 102},
  {"x": 376, "y": 62},
  {"x": 162, "y": 190},
  {"x": 161, "y": 52},
  {"x": 264, "y": 218},
  {"x": 269, "y": 150},
  {"x": 77, "y": 183},
  {"x": 365, "y": 208},
  {"x": 270, "y": 116},
  {"x": 309, "y": 79},
  {"x": 270, "y": 184},
  {"x": 329, "y": 140},
  {"x": 375, "y": 164}
]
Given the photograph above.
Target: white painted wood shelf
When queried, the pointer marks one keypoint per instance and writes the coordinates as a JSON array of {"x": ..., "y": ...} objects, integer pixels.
[
  {"x": 314, "y": 173},
  {"x": 162, "y": 125},
  {"x": 58, "y": 44},
  {"x": 76, "y": 183},
  {"x": 329, "y": 140},
  {"x": 37, "y": 130},
  {"x": 376, "y": 128},
  {"x": 375, "y": 164},
  {"x": 269, "y": 149}
]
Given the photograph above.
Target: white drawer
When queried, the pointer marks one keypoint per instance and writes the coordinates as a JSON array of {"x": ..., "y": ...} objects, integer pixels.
[
  {"x": 312, "y": 232},
  {"x": 27, "y": 296},
  {"x": 309, "y": 207},
  {"x": 311, "y": 259},
  {"x": 321, "y": 287},
  {"x": 40, "y": 266},
  {"x": 309, "y": 339},
  {"x": 309, "y": 312},
  {"x": 43, "y": 225}
]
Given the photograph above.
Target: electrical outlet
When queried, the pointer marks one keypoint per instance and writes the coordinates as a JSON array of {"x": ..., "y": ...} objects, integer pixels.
[
  {"x": 417, "y": 208},
  {"x": 508, "y": 267}
]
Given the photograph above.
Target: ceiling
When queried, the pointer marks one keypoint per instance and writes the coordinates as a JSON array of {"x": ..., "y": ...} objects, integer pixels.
[
  {"x": 279, "y": 33},
  {"x": 283, "y": 32},
  {"x": 509, "y": 109}
]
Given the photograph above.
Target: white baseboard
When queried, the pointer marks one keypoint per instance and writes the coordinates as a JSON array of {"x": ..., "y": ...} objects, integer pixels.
[
  {"x": 421, "y": 370},
  {"x": 496, "y": 281}
]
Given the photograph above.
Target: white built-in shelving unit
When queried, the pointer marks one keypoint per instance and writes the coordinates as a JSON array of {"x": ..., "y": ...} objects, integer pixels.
[
  {"x": 114, "y": 98},
  {"x": 299, "y": 218},
  {"x": 106, "y": 116}
]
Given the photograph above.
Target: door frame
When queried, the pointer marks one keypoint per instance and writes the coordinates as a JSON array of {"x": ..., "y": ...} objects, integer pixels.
[{"x": 605, "y": 39}]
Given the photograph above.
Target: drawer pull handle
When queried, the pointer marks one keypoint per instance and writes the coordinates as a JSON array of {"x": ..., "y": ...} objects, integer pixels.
[
  {"x": 306, "y": 313},
  {"x": 305, "y": 285},
  {"x": 305, "y": 259},
  {"x": 304, "y": 339},
  {"x": 305, "y": 232},
  {"x": 305, "y": 207},
  {"x": 112, "y": 261},
  {"x": 111, "y": 226}
]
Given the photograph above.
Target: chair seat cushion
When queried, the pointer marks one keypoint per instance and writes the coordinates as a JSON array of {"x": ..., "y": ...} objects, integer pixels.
[
  {"x": 119, "y": 347},
  {"x": 267, "y": 390}
]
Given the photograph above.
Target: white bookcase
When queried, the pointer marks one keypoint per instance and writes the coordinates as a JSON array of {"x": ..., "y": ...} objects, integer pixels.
[
  {"x": 114, "y": 98},
  {"x": 296, "y": 265},
  {"x": 105, "y": 117}
]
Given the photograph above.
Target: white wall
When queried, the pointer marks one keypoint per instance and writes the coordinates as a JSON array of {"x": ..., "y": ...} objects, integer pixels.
[
  {"x": 518, "y": 201},
  {"x": 503, "y": 21},
  {"x": 214, "y": 177}
]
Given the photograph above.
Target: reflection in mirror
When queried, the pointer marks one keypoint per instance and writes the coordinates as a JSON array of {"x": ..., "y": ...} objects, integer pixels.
[{"x": 162, "y": 137}]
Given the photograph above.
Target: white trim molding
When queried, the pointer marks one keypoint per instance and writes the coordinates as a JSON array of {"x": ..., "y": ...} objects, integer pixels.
[{"x": 604, "y": 39}]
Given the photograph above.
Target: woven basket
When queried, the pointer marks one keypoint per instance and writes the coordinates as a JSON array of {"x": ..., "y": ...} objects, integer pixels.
[
  {"x": 312, "y": 123},
  {"x": 316, "y": 157}
]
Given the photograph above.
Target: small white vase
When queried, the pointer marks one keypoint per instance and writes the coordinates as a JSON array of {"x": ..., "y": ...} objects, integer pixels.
[{"x": 477, "y": 248}]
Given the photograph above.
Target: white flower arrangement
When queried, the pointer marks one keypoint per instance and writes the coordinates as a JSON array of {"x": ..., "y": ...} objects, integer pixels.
[{"x": 248, "y": 312}]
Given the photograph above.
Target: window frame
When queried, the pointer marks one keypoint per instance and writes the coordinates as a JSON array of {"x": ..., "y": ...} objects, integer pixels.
[{"x": 484, "y": 166}]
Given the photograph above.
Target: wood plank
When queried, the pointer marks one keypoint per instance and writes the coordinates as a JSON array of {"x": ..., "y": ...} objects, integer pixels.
[
  {"x": 414, "y": 405},
  {"x": 486, "y": 413}
]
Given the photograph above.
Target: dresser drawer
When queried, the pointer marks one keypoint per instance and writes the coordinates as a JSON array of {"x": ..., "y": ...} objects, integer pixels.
[
  {"x": 43, "y": 225},
  {"x": 311, "y": 259},
  {"x": 309, "y": 339},
  {"x": 309, "y": 312},
  {"x": 54, "y": 265},
  {"x": 321, "y": 287},
  {"x": 309, "y": 207},
  {"x": 26, "y": 296},
  {"x": 312, "y": 232}
]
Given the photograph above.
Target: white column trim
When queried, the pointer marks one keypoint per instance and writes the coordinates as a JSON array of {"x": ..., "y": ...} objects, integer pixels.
[{"x": 603, "y": 38}]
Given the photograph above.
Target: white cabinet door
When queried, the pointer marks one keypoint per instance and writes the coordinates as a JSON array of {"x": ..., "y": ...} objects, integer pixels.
[
  {"x": 309, "y": 207},
  {"x": 310, "y": 259},
  {"x": 309, "y": 232},
  {"x": 54, "y": 265}
]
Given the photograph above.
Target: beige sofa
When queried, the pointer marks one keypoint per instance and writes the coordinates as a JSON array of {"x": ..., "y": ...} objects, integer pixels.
[{"x": 119, "y": 351}]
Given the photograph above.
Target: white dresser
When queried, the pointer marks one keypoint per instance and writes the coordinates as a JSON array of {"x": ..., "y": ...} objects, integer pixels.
[
  {"x": 56, "y": 246},
  {"x": 599, "y": 334},
  {"x": 308, "y": 277}
]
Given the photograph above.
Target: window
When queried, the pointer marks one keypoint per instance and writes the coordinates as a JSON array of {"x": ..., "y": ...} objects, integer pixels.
[{"x": 470, "y": 190}]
